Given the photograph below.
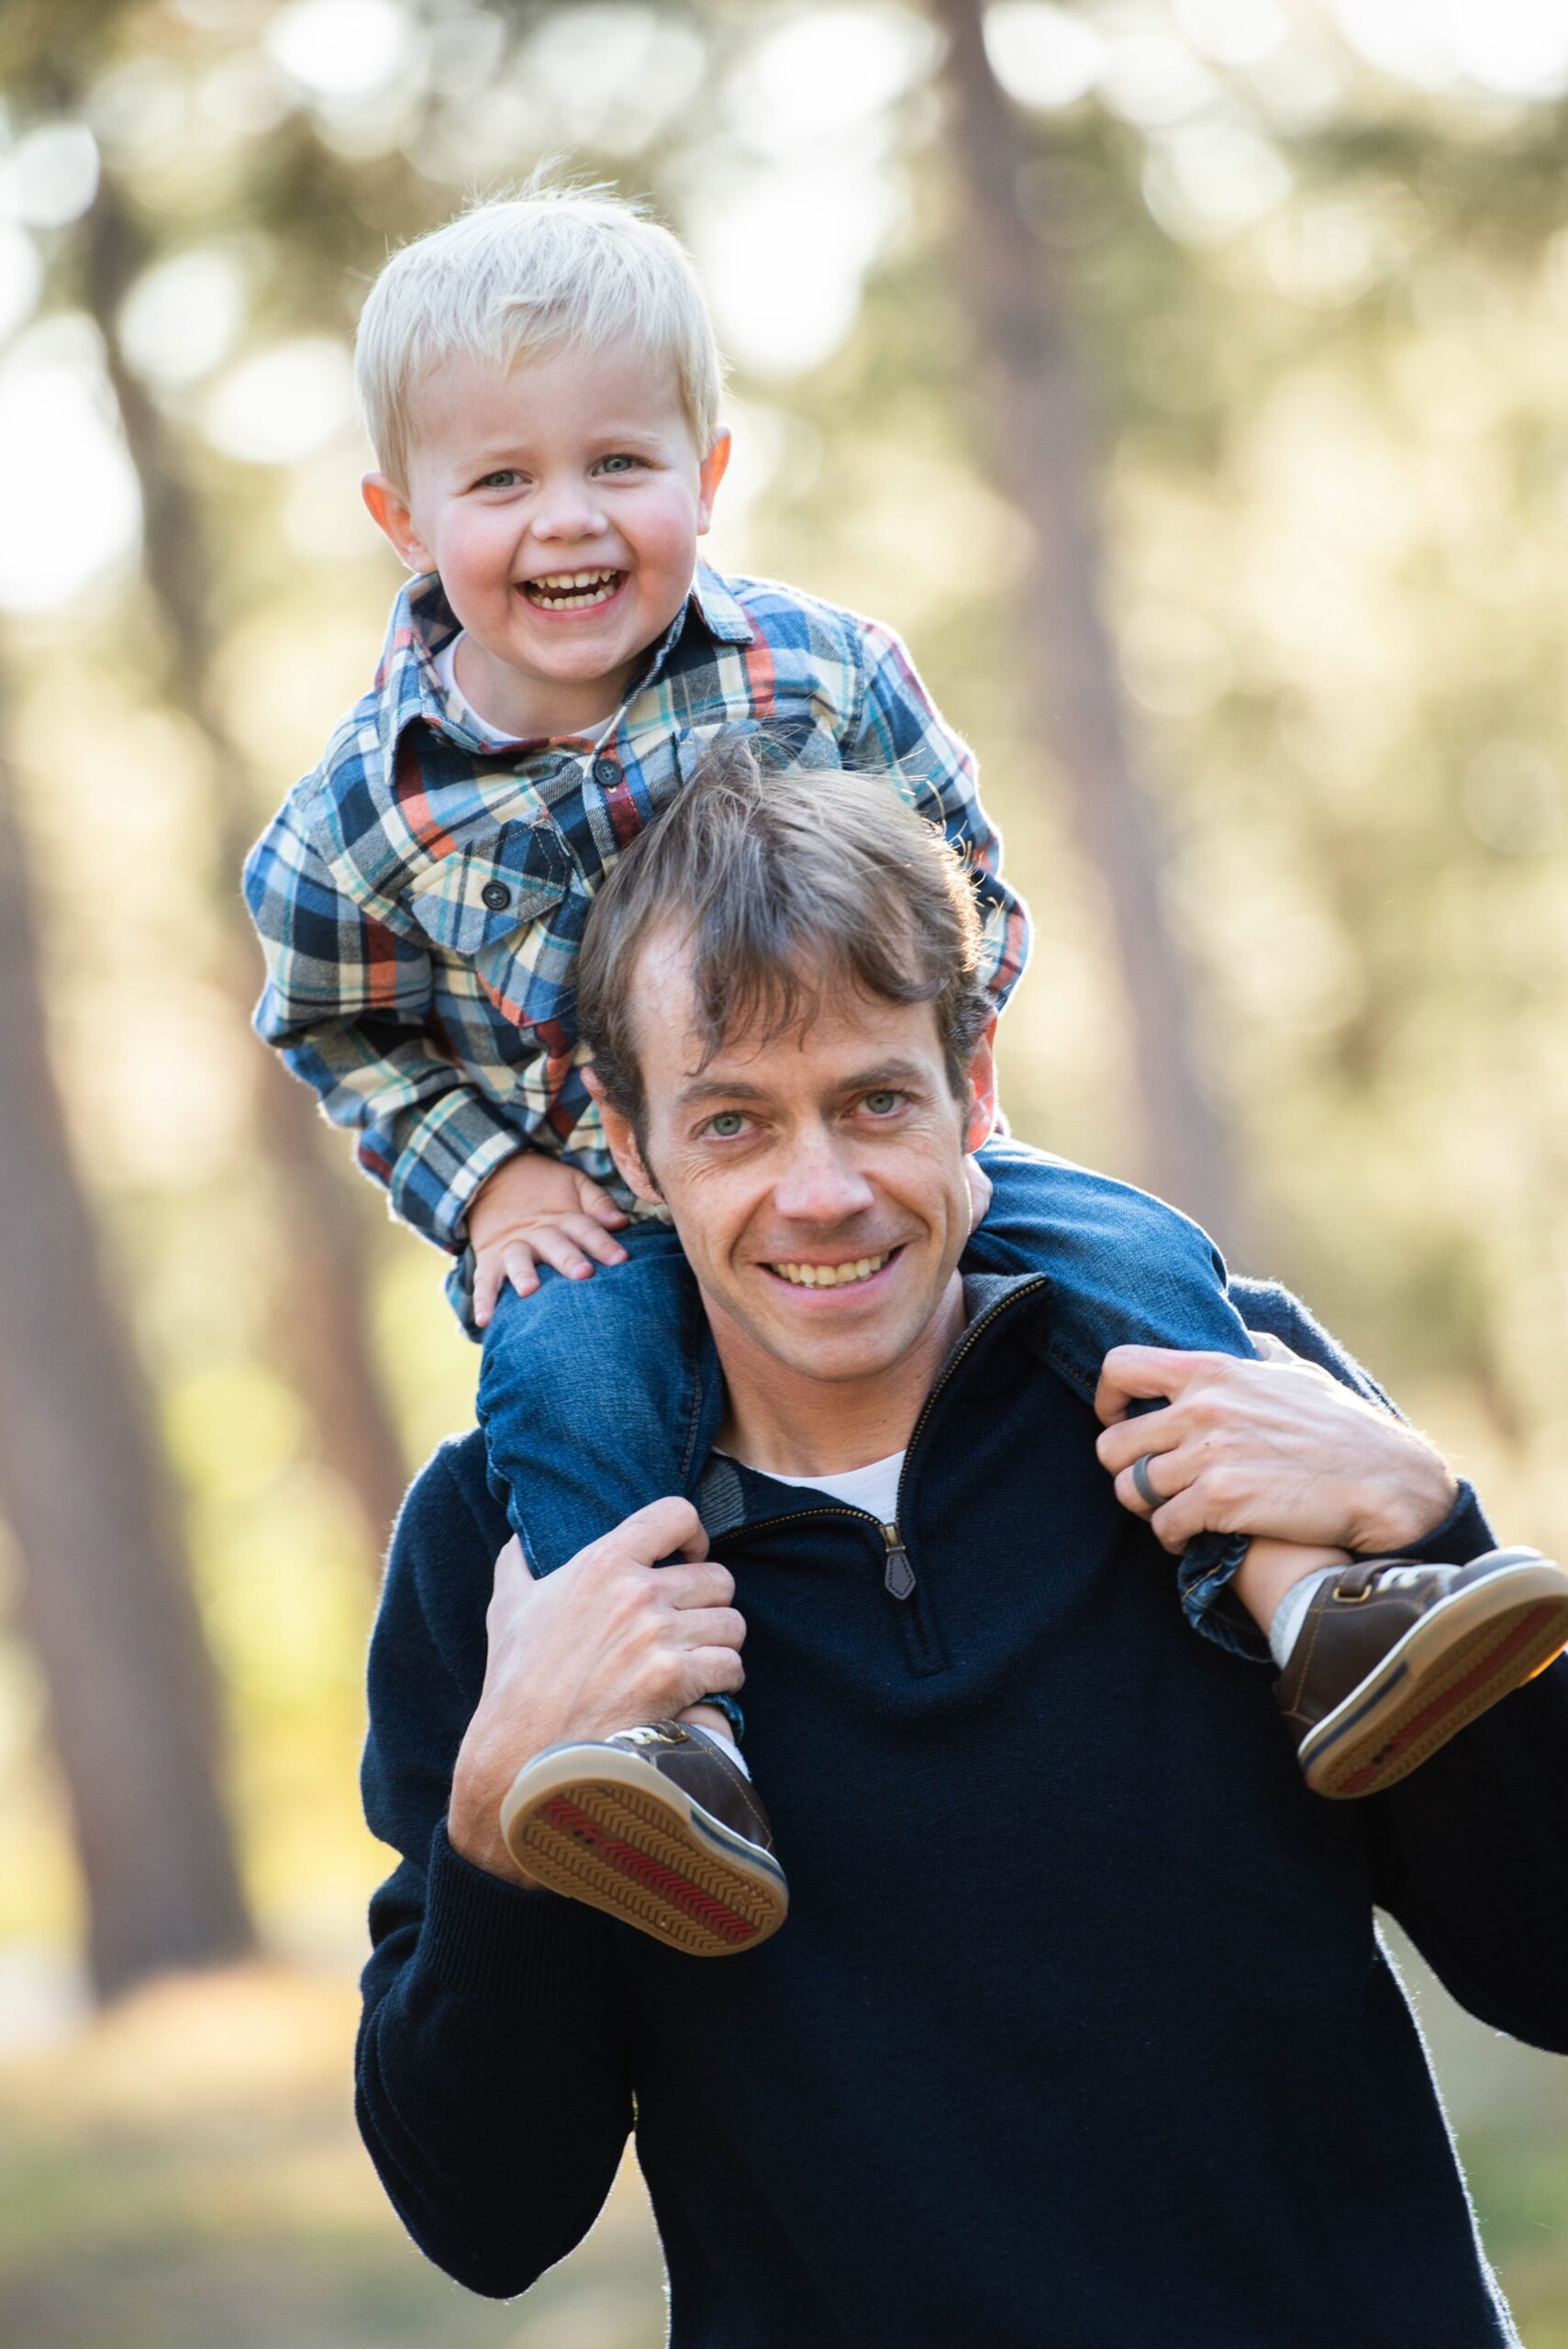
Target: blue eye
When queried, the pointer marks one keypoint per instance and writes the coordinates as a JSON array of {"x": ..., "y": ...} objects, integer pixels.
[
  {"x": 883, "y": 1103},
  {"x": 727, "y": 1125},
  {"x": 618, "y": 464},
  {"x": 505, "y": 478}
]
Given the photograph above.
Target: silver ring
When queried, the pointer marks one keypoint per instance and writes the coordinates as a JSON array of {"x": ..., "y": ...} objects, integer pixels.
[{"x": 1142, "y": 1483}]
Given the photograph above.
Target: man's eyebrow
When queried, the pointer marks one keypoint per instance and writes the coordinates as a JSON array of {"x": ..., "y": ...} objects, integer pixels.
[
  {"x": 867, "y": 1080},
  {"x": 711, "y": 1089}
]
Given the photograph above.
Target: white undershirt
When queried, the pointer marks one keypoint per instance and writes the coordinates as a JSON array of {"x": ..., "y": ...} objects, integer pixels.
[
  {"x": 459, "y": 706},
  {"x": 873, "y": 1487},
  {"x": 463, "y": 712}
]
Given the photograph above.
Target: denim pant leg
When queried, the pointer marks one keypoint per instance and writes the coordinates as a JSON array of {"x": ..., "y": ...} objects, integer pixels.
[
  {"x": 591, "y": 1396},
  {"x": 1125, "y": 1269}
]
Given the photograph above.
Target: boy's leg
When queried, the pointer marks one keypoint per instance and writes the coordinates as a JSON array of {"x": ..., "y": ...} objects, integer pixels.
[
  {"x": 1380, "y": 1661},
  {"x": 591, "y": 1396},
  {"x": 1125, "y": 1269},
  {"x": 595, "y": 1398}
]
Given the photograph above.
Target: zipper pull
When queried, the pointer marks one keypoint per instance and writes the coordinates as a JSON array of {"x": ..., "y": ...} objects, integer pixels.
[{"x": 900, "y": 1577}]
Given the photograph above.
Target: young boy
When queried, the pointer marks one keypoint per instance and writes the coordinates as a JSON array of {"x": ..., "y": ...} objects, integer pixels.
[{"x": 541, "y": 387}]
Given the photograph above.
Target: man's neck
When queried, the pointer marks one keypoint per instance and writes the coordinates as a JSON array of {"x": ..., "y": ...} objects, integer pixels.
[{"x": 787, "y": 1424}]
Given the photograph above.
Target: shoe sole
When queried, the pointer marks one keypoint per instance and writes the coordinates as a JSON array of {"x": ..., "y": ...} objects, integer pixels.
[
  {"x": 1462, "y": 1657},
  {"x": 605, "y": 1829}
]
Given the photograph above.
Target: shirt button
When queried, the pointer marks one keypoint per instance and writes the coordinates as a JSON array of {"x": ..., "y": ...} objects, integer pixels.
[
  {"x": 497, "y": 895},
  {"x": 606, "y": 772}
]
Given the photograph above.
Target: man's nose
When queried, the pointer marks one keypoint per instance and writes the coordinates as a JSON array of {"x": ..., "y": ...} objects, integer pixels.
[
  {"x": 567, "y": 509},
  {"x": 822, "y": 1184}
]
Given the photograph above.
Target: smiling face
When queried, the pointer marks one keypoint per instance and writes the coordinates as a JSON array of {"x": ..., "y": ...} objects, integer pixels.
[
  {"x": 560, "y": 501},
  {"x": 817, "y": 1184}
]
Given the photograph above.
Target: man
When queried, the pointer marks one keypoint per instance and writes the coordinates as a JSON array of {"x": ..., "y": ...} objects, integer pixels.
[{"x": 1078, "y": 2031}]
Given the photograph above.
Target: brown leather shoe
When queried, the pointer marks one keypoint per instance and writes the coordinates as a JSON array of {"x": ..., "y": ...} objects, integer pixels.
[
  {"x": 655, "y": 1826},
  {"x": 1392, "y": 1658}
]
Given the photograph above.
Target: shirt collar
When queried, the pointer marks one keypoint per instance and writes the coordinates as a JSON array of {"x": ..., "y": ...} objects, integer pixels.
[{"x": 422, "y": 620}]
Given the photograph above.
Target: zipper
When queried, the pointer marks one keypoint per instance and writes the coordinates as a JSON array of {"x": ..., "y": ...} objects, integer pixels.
[
  {"x": 898, "y": 1571},
  {"x": 898, "y": 1575}
]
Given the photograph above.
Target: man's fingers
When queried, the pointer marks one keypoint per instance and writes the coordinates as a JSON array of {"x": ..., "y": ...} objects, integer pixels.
[
  {"x": 706, "y": 1582},
  {"x": 713, "y": 1627},
  {"x": 662, "y": 1529},
  {"x": 1116, "y": 1447},
  {"x": 1140, "y": 1373},
  {"x": 713, "y": 1671}
]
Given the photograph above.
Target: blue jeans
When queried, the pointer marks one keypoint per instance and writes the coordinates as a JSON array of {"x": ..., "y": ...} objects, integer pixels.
[{"x": 598, "y": 1396}]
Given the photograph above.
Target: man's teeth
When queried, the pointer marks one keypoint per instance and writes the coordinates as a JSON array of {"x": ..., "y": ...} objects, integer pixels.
[
  {"x": 571, "y": 591},
  {"x": 832, "y": 1275}
]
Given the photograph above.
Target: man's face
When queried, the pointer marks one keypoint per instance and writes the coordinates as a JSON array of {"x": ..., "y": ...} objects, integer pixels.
[
  {"x": 560, "y": 500},
  {"x": 817, "y": 1180}
]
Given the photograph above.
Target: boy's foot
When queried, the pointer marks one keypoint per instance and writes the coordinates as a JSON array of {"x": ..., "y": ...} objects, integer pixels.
[
  {"x": 658, "y": 1827},
  {"x": 1392, "y": 1658}
]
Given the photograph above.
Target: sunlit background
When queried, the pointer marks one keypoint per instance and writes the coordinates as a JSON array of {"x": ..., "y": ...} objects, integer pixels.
[{"x": 1305, "y": 268}]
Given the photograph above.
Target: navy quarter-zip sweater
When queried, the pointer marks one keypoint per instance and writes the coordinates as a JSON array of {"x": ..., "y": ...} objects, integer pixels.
[{"x": 1079, "y": 2032}]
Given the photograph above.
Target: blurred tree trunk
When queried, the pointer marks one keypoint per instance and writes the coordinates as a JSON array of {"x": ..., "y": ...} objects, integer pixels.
[
  {"x": 323, "y": 1321},
  {"x": 105, "y": 1594},
  {"x": 1042, "y": 460}
]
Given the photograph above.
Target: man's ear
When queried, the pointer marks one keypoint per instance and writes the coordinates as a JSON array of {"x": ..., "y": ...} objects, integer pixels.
[
  {"x": 712, "y": 471},
  {"x": 389, "y": 511},
  {"x": 623, "y": 1144},
  {"x": 981, "y": 1122}
]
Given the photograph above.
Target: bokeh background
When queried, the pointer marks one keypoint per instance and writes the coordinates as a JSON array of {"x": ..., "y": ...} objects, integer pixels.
[{"x": 1188, "y": 379}]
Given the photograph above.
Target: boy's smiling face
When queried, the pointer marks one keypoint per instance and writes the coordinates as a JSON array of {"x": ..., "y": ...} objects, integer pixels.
[{"x": 560, "y": 501}]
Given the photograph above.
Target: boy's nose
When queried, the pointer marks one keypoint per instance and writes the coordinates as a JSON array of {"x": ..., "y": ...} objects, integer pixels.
[{"x": 567, "y": 510}]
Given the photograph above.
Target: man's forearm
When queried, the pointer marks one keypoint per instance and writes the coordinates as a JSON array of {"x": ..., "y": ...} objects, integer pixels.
[{"x": 489, "y": 2081}]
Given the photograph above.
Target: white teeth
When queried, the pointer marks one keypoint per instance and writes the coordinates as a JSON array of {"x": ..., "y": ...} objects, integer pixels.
[
  {"x": 832, "y": 1275},
  {"x": 568, "y": 591}
]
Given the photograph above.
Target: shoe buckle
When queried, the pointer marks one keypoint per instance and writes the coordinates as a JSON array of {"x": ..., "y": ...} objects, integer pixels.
[{"x": 1351, "y": 1597}]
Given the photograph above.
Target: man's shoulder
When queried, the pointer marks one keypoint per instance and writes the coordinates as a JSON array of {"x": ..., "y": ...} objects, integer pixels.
[{"x": 450, "y": 1525}]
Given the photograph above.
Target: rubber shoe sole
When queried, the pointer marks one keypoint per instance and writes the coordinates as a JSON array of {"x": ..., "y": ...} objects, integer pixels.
[
  {"x": 1466, "y": 1653},
  {"x": 605, "y": 1829}
]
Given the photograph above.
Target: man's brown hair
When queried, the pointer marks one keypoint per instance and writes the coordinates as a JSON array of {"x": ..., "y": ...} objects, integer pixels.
[{"x": 787, "y": 881}]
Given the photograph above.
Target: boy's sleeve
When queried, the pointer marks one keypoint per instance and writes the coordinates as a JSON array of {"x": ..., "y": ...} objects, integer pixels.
[
  {"x": 347, "y": 1003},
  {"x": 898, "y": 723}
]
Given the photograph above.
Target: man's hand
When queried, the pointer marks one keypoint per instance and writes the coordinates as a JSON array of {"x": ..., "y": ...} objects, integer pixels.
[
  {"x": 611, "y": 1639},
  {"x": 534, "y": 1211},
  {"x": 1276, "y": 1448}
]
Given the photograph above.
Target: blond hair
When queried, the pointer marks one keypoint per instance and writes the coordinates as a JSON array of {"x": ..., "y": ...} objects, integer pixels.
[
  {"x": 790, "y": 884},
  {"x": 556, "y": 266}
]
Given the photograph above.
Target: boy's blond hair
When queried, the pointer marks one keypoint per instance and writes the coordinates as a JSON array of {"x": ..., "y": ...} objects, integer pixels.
[{"x": 514, "y": 279}]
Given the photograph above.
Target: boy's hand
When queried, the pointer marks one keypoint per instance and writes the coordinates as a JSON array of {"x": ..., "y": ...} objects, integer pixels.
[{"x": 535, "y": 1211}]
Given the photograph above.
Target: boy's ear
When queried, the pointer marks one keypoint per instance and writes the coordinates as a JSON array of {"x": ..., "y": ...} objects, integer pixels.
[
  {"x": 710, "y": 474},
  {"x": 389, "y": 512},
  {"x": 623, "y": 1144},
  {"x": 981, "y": 1122}
]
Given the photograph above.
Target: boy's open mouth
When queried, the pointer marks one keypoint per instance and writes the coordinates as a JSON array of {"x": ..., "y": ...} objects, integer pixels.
[{"x": 572, "y": 591}]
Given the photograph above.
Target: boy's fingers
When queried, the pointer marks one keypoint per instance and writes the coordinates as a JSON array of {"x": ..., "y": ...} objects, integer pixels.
[
  {"x": 601, "y": 1206},
  {"x": 517, "y": 1263},
  {"x": 595, "y": 1240},
  {"x": 554, "y": 1246}
]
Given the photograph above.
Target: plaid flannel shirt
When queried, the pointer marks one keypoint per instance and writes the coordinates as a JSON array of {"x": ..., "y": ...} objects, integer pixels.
[{"x": 421, "y": 895}]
